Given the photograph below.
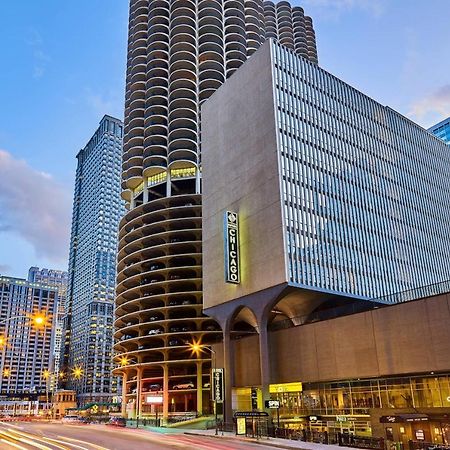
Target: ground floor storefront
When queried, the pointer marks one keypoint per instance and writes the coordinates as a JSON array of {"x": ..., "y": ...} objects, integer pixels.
[{"x": 398, "y": 409}]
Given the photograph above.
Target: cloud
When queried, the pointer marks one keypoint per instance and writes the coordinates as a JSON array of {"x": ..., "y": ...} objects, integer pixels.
[
  {"x": 438, "y": 102},
  {"x": 4, "y": 268},
  {"x": 35, "y": 207},
  {"x": 334, "y": 8},
  {"x": 40, "y": 58},
  {"x": 104, "y": 103}
]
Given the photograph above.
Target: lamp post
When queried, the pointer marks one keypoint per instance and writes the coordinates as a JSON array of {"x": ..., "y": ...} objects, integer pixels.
[
  {"x": 198, "y": 348},
  {"x": 39, "y": 320}
]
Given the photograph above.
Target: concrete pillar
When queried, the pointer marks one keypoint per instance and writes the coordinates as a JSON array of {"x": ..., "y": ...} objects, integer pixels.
[
  {"x": 145, "y": 191},
  {"x": 165, "y": 417},
  {"x": 228, "y": 360},
  {"x": 264, "y": 360},
  {"x": 124, "y": 394},
  {"x": 198, "y": 189},
  {"x": 169, "y": 184},
  {"x": 199, "y": 388},
  {"x": 138, "y": 393}
]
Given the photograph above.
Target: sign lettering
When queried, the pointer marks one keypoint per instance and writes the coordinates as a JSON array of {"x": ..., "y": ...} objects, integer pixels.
[
  {"x": 272, "y": 404},
  {"x": 231, "y": 247},
  {"x": 218, "y": 387}
]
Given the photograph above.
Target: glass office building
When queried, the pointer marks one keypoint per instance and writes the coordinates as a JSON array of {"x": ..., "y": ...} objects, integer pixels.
[
  {"x": 442, "y": 130},
  {"x": 360, "y": 216},
  {"x": 97, "y": 209}
]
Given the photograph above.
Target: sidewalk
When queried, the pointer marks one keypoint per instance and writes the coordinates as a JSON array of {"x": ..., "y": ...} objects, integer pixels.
[{"x": 274, "y": 442}]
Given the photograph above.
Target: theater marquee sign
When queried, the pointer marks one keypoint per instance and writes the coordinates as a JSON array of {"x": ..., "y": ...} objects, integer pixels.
[{"x": 231, "y": 247}]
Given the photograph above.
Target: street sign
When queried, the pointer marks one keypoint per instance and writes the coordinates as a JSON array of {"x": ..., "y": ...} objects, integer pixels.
[
  {"x": 272, "y": 404},
  {"x": 218, "y": 385}
]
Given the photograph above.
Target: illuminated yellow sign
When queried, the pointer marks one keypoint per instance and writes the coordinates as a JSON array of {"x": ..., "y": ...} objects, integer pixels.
[
  {"x": 240, "y": 425},
  {"x": 285, "y": 387},
  {"x": 231, "y": 247}
]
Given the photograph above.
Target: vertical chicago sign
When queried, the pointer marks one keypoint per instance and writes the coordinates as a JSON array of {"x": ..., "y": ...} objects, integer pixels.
[{"x": 231, "y": 247}]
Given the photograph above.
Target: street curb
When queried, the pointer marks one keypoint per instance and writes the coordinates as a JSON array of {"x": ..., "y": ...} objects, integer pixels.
[{"x": 253, "y": 441}]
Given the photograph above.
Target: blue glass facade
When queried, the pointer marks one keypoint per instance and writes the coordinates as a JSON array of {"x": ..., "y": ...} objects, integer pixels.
[
  {"x": 365, "y": 190},
  {"x": 97, "y": 210},
  {"x": 442, "y": 130}
]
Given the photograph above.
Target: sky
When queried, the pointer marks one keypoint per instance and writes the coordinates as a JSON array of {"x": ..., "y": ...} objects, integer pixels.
[{"x": 62, "y": 67}]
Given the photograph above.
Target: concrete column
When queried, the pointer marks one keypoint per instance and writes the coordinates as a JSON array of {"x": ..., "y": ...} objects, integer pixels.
[
  {"x": 145, "y": 192},
  {"x": 165, "y": 417},
  {"x": 124, "y": 394},
  {"x": 264, "y": 361},
  {"x": 228, "y": 360},
  {"x": 198, "y": 182},
  {"x": 199, "y": 388},
  {"x": 138, "y": 393},
  {"x": 132, "y": 202},
  {"x": 168, "y": 183}
]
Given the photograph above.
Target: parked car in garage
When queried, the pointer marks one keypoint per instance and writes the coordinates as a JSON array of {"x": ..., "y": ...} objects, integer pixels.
[{"x": 188, "y": 385}]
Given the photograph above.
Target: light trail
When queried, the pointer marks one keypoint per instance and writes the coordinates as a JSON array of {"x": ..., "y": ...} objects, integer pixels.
[
  {"x": 98, "y": 447},
  {"x": 13, "y": 444},
  {"x": 16, "y": 436}
]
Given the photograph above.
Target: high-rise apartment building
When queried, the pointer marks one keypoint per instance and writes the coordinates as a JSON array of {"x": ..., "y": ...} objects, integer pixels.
[
  {"x": 97, "y": 209},
  {"x": 58, "y": 279},
  {"x": 442, "y": 130},
  {"x": 179, "y": 53},
  {"x": 26, "y": 348}
]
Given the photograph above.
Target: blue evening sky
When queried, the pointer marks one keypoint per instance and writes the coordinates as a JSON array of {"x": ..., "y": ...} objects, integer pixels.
[{"x": 63, "y": 65}]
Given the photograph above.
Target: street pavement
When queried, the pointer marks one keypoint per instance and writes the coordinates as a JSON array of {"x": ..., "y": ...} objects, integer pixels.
[{"x": 58, "y": 436}]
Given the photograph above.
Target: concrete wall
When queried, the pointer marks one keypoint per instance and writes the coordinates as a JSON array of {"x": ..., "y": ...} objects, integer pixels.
[
  {"x": 412, "y": 337},
  {"x": 240, "y": 173}
]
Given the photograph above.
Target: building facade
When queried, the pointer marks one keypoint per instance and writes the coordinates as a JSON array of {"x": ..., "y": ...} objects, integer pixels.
[
  {"x": 58, "y": 279},
  {"x": 321, "y": 183},
  {"x": 442, "y": 130},
  {"x": 382, "y": 373},
  {"x": 179, "y": 53},
  {"x": 89, "y": 311},
  {"x": 27, "y": 349}
]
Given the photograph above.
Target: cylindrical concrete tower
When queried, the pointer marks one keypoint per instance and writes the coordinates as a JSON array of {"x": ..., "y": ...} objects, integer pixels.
[{"x": 179, "y": 53}]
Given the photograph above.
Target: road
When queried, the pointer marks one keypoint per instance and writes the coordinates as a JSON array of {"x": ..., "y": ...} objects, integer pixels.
[{"x": 57, "y": 436}]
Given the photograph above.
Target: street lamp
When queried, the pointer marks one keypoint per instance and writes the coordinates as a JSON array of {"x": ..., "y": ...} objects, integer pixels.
[
  {"x": 39, "y": 319},
  {"x": 77, "y": 372},
  {"x": 198, "y": 348},
  {"x": 46, "y": 374}
]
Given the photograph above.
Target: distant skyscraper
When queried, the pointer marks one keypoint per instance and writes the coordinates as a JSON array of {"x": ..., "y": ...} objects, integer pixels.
[
  {"x": 89, "y": 309},
  {"x": 442, "y": 130},
  {"x": 26, "y": 350},
  {"x": 58, "y": 279}
]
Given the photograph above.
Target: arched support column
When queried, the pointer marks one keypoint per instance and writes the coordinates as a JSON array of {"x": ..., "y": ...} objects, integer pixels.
[{"x": 264, "y": 357}]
